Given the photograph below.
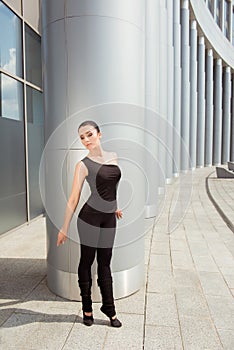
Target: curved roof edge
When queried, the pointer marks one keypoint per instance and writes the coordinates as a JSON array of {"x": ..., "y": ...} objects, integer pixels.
[{"x": 212, "y": 32}]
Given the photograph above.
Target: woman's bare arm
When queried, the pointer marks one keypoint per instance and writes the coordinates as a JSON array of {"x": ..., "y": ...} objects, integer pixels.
[
  {"x": 118, "y": 212},
  {"x": 79, "y": 177}
]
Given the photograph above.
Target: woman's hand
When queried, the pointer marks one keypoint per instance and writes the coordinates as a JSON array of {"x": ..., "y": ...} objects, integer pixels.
[
  {"x": 119, "y": 213},
  {"x": 61, "y": 238}
]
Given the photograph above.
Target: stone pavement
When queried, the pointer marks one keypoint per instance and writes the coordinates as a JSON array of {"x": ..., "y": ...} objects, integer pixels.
[{"x": 186, "y": 302}]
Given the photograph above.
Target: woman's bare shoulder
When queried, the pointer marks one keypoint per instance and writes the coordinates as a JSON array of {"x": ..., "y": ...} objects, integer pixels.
[{"x": 81, "y": 168}]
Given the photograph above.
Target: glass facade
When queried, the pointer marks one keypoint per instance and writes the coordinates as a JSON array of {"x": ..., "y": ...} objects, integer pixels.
[
  {"x": 33, "y": 56},
  {"x": 219, "y": 12},
  {"x": 11, "y": 98},
  {"x": 21, "y": 120},
  {"x": 226, "y": 18},
  {"x": 11, "y": 57},
  {"x": 233, "y": 25},
  {"x": 35, "y": 133},
  {"x": 223, "y": 13},
  {"x": 210, "y": 5}
]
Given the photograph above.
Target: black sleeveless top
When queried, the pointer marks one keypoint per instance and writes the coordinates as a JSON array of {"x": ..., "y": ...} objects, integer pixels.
[{"x": 103, "y": 180}]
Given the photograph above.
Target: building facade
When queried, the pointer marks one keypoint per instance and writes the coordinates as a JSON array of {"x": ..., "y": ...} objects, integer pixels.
[
  {"x": 189, "y": 81},
  {"x": 21, "y": 112}
]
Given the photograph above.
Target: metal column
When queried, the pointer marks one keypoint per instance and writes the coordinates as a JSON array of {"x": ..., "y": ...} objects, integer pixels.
[
  {"x": 152, "y": 107},
  {"x": 232, "y": 122},
  {"x": 170, "y": 84},
  {"x": 201, "y": 103},
  {"x": 193, "y": 94},
  {"x": 226, "y": 116},
  {"x": 209, "y": 108},
  {"x": 217, "y": 136},
  {"x": 94, "y": 54},
  {"x": 185, "y": 86},
  {"x": 177, "y": 86}
]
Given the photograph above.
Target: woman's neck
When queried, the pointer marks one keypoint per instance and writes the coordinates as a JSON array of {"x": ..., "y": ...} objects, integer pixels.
[{"x": 97, "y": 152}]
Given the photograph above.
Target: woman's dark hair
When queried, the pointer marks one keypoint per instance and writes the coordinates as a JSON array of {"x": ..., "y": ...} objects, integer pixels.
[{"x": 90, "y": 122}]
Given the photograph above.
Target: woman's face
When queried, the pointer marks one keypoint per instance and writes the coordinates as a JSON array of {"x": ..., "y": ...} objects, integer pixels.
[{"x": 89, "y": 136}]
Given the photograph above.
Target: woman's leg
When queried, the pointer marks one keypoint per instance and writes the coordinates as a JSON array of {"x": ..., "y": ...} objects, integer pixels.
[
  {"x": 104, "y": 255},
  {"x": 87, "y": 256},
  {"x": 84, "y": 273}
]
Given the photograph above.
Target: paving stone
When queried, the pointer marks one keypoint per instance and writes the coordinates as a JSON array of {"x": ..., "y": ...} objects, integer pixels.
[
  {"x": 162, "y": 338},
  {"x": 229, "y": 280},
  {"x": 129, "y": 336},
  {"x": 191, "y": 302},
  {"x": 160, "y": 281},
  {"x": 133, "y": 304},
  {"x": 199, "y": 248},
  {"x": 35, "y": 331},
  {"x": 222, "y": 311},
  {"x": 179, "y": 244},
  {"x": 205, "y": 263},
  {"x": 181, "y": 260},
  {"x": 160, "y": 247},
  {"x": 186, "y": 278},
  {"x": 161, "y": 310},
  {"x": 160, "y": 261},
  {"x": 213, "y": 284},
  {"x": 199, "y": 333},
  {"x": 227, "y": 338}
]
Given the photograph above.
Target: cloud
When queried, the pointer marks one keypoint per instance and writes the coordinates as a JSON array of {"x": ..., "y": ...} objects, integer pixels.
[
  {"x": 11, "y": 64},
  {"x": 12, "y": 98}
]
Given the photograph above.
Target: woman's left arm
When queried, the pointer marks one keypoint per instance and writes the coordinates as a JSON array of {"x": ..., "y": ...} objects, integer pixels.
[{"x": 118, "y": 212}]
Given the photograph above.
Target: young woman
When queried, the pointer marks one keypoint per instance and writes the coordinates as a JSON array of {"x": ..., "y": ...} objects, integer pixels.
[{"x": 96, "y": 220}]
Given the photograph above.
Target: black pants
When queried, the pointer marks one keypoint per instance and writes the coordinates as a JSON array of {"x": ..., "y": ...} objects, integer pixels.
[
  {"x": 87, "y": 258},
  {"x": 97, "y": 233}
]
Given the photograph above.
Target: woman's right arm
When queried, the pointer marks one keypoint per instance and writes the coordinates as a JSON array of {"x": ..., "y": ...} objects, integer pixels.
[{"x": 80, "y": 174}]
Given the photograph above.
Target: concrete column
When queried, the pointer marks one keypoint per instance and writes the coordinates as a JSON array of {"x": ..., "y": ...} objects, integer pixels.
[
  {"x": 217, "y": 135},
  {"x": 209, "y": 108},
  {"x": 93, "y": 54},
  {"x": 201, "y": 103},
  {"x": 226, "y": 129},
  {"x": 193, "y": 94},
  {"x": 185, "y": 86},
  {"x": 177, "y": 86}
]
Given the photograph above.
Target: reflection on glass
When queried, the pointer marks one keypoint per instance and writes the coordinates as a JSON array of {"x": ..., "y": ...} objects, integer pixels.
[
  {"x": 35, "y": 130},
  {"x": 11, "y": 102},
  {"x": 218, "y": 12},
  {"x": 226, "y": 18},
  {"x": 33, "y": 56},
  {"x": 210, "y": 5},
  {"x": 10, "y": 41},
  {"x": 233, "y": 25}
]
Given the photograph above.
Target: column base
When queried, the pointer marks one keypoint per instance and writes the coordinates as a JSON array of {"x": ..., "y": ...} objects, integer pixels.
[
  {"x": 151, "y": 211},
  {"x": 65, "y": 284}
]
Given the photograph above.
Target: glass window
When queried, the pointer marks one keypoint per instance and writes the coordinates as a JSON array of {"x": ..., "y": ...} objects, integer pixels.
[
  {"x": 219, "y": 12},
  {"x": 226, "y": 19},
  {"x": 11, "y": 98},
  {"x": 10, "y": 41},
  {"x": 233, "y": 25},
  {"x": 210, "y": 5},
  {"x": 35, "y": 132},
  {"x": 33, "y": 56}
]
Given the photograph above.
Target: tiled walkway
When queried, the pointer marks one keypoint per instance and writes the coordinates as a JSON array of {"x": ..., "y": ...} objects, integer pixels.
[{"x": 186, "y": 302}]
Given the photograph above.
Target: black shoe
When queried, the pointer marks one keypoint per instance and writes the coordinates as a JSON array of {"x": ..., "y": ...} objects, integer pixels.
[
  {"x": 88, "y": 320},
  {"x": 115, "y": 322}
]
